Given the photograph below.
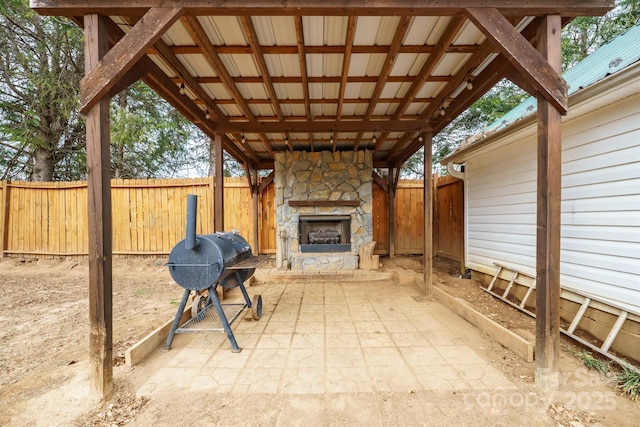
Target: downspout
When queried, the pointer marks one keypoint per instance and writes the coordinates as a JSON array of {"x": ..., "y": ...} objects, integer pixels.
[
  {"x": 461, "y": 175},
  {"x": 454, "y": 172}
]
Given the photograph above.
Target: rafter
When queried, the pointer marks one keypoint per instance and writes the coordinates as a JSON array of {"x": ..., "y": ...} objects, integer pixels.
[
  {"x": 258, "y": 55},
  {"x": 197, "y": 33},
  {"x": 390, "y": 60},
  {"x": 346, "y": 62},
  {"x": 185, "y": 76},
  {"x": 302, "y": 60},
  {"x": 430, "y": 64},
  {"x": 157, "y": 80}
]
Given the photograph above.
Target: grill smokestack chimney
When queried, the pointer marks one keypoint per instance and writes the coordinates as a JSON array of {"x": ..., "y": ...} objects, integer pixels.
[{"x": 190, "y": 242}]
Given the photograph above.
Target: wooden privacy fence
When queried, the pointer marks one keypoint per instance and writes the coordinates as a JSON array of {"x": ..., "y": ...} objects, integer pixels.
[{"x": 50, "y": 219}]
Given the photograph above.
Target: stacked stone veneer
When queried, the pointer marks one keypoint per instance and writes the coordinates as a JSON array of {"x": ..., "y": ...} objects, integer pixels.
[{"x": 322, "y": 176}]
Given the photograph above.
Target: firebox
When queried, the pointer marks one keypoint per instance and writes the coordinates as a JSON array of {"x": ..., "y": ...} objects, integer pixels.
[{"x": 325, "y": 233}]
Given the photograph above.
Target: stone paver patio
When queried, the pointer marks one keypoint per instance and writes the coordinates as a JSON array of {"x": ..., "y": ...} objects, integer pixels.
[{"x": 329, "y": 337}]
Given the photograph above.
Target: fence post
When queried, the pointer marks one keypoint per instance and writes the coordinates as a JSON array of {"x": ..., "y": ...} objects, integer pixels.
[{"x": 3, "y": 217}]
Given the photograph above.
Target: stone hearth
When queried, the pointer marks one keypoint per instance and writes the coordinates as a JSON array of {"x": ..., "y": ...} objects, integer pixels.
[{"x": 322, "y": 184}]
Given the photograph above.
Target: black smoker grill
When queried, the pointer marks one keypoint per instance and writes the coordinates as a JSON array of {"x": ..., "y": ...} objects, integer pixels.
[{"x": 201, "y": 264}]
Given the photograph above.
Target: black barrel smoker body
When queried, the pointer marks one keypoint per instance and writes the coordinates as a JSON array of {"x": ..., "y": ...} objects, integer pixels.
[{"x": 203, "y": 263}]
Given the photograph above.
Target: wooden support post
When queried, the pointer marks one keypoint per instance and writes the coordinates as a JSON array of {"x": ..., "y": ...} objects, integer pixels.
[
  {"x": 255, "y": 198},
  {"x": 99, "y": 215},
  {"x": 219, "y": 184},
  {"x": 428, "y": 211},
  {"x": 392, "y": 223},
  {"x": 3, "y": 217},
  {"x": 548, "y": 220},
  {"x": 211, "y": 183}
]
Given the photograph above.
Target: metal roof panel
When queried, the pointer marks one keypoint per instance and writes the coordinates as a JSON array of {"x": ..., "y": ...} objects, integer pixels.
[
  {"x": 420, "y": 29},
  {"x": 216, "y": 90},
  {"x": 177, "y": 36},
  {"x": 197, "y": 65}
]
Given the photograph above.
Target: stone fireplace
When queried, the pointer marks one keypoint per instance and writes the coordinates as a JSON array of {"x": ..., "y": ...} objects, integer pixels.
[{"x": 323, "y": 209}]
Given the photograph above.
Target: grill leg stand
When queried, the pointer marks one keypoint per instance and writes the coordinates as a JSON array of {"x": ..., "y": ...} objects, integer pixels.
[
  {"x": 223, "y": 319},
  {"x": 244, "y": 291},
  {"x": 176, "y": 321}
]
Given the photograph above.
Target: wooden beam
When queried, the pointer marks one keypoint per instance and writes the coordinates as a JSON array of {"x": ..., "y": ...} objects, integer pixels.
[
  {"x": 320, "y": 50},
  {"x": 99, "y": 218},
  {"x": 380, "y": 181},
  {"x": 266, "y": 181},
  {"x": 312, "y": 79},
  {"x": 428, "y": 212},
  {"x": 323, "y": 126},
  {"x": 122, "y": 57},
  {"x": 323, "y": 7},
  {"x": 548, "y": 219},
  {"x": 522, "y": 55},
  {"x": 219, "y": 184},
  {"x": 495, "y": 330}
]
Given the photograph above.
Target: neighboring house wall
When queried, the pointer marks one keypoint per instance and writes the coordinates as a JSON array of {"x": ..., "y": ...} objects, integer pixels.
[{"x": 600, "y": 243}]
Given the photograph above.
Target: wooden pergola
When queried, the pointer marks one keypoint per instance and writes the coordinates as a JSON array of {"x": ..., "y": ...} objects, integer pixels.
[{"x": 265, "y": 76}]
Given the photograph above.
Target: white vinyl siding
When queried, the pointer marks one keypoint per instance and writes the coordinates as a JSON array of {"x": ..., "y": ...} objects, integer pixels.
[{"x": 600, "y": 230}]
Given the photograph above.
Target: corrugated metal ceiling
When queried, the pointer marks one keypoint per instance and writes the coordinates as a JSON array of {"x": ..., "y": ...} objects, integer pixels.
[{"x": 399, "y": 70}]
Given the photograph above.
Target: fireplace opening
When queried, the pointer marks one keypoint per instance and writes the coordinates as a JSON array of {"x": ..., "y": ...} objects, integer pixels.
[{"x": 325, "y": 233}]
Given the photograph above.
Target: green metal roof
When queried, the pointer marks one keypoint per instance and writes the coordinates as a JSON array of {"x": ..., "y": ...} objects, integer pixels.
[{"x": 608, "y": 59}]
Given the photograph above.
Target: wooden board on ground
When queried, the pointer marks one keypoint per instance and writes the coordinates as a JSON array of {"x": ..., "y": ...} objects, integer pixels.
[{"x": 512, "y": 341}]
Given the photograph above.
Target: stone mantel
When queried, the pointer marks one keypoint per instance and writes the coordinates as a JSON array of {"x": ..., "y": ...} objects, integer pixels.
[{"x": 302, "y": 203}]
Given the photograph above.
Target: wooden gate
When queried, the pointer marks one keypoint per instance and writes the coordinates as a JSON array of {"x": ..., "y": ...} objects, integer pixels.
[{"x": 449, "y": 218}]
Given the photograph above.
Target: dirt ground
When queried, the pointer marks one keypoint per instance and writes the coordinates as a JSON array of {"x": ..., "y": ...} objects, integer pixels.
[{"x": 44, "y": 344}]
